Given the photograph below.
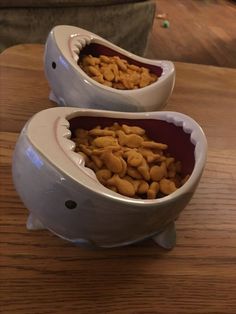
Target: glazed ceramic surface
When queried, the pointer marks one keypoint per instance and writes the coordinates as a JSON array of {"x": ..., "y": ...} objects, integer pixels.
[
  {"x": 65, "y": 197},
  {"x": 71, "y": 86}
]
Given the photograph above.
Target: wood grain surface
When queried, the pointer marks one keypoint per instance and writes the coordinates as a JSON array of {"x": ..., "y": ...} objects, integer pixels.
[{"x": 41, "y": 273}]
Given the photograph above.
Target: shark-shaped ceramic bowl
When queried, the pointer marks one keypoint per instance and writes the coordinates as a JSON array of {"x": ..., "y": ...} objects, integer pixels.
[
  {"x": 71, "y": 86},
  {"x": 65, "y": 197}
]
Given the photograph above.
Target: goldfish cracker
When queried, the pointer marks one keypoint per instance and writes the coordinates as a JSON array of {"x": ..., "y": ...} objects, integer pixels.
[
  {"x": 113, "y": 188},
  {"x": 158, "y": 172},
  {"x": 178, "y": 166},
  {"x": 99, "y": 79},
  {"x": 134, "y": 158},
  {"x": 83, "y": 141},
  {"x": 134, "y": 68},
  {"x": 85, "y": 149},
  {"x": 127, "y": 82},
  {"x": 94, "y": 71},
  {"x": 89, "y": 60},
  {"x": 98, "y": 162},
  {"x": 143, "y": 187},
  {"x": 119, "y": 85},
  {"x": 144, "y": 80},
  {"x": 135, "y": 183},
  {"x": 123, "y": 186},
  {"x": 108, "y": 75},
  {"x": 103, "y": 175},
  {"x": 130, "y": 140},
  {"x": 133, "y": 129},
  {"x": 107, "y": 83},
  {"x": 133, "y": 173},
  {"x": 115, "y": 127},
  {"x": 101, "y": 132},
  {"x": 81, "y": 133},
  {"x": 122, "y": 173},
  {"x": 153, "y": 190},
  {"x": 104, "y": 141},
  {"x": 167, "y": 186},
  {"x": 149, "y": 155},
  {"x": 169, "y": 161},
  {"x": 105, "y": 59},
  {"x": 153, "y": 145},
  {"x": 172, "y": 170},
  {"x": 112, "y": 162},
  {"x": 121, "y": 64},
  {"x": 101, "y": 150},
  {"x": 143, "y": 169}
]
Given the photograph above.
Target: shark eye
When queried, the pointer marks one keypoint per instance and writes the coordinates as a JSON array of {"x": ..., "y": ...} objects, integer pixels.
[
  {"x": 70, "y": 204},
  {"x": 54, "y": 65}
]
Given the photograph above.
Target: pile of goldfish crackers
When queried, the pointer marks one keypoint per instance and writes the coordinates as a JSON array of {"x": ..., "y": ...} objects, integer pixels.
[
  {"x": 116, "y": 72},
  {"x": 128, "y": 162}
]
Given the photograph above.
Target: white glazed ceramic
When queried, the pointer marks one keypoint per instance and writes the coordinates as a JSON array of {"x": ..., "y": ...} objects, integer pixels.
[
  {"x": 71, "y": 86},
  {"x": 65, "y": 197}
]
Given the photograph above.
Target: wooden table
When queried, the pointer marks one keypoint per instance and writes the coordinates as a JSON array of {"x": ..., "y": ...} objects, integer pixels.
[{"x": 41, "y": 273}]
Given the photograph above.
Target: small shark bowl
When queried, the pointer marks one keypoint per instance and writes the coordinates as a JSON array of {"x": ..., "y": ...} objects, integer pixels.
[
  {"x": 71, "y": 86},
  {"x": 64, "y": 196}
]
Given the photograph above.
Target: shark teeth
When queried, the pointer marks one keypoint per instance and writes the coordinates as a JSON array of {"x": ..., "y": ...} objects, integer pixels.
[
  {"x": 68, "y": 146},
  {"x": 77, "y": 43}
]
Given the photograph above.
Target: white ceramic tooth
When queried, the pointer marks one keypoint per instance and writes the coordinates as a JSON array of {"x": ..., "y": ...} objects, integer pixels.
[
  {"x": 64, "y": 122},
  {"x": 77, "y": 51},
  {"x": 82, "y": 42},
  {"x": 88, "y": 40},
  {"x": 75, "y": 56},
  {"x": 78, "y": 45},
  {"x": 67, "y": 134},
  {"x": 68, "y": 145},
  {"x": 77, "y": 158}
]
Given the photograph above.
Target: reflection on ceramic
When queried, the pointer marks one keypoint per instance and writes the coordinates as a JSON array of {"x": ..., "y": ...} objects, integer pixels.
[
  {"x": 71, "y": 86},
  {"x": 65, "y": 197}
]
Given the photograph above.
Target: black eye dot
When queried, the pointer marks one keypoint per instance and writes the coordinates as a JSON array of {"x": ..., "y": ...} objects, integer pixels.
[
  {"x": 70, "y": 204},
  {"x": 54, "y": 65}
]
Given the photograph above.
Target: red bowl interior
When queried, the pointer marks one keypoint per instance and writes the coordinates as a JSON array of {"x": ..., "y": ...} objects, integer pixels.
[
  {"x": 179, "y": 143},
  {"x": 97, "y": 49}
]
